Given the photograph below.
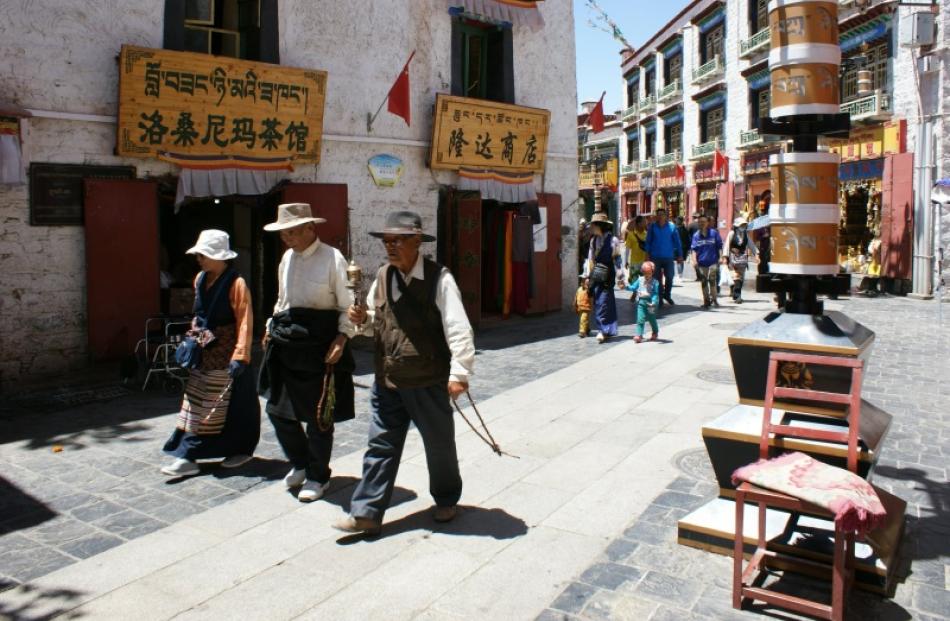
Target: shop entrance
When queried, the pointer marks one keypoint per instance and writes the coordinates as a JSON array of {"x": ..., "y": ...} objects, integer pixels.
[
  {"x": 504, "y": 263},
  {"x": 243, "y": 218}
]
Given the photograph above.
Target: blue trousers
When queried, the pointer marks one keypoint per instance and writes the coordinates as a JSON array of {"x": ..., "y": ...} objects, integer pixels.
[
  {"x": 643, "y": 316},
  {"x": 429, "y": 409},
  {"x": 665, "y": 270}
]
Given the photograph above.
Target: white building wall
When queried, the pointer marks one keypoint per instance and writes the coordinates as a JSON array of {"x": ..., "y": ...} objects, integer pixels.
[{"x": 62, "y": 58}]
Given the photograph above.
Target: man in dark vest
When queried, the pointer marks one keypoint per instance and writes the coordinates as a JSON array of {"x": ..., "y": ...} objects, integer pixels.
[{"x": 425, "y": 353}]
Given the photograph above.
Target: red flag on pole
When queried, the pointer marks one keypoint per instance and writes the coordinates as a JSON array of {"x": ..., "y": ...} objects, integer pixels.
[
  {"x": 720, "y": 162},
  {"x": 399, "y": 94},
  {"x": 596, "y": 118},
  {"x": 680, "y": 171}
]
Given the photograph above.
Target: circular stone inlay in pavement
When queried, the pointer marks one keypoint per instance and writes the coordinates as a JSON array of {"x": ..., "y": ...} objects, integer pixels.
[
  {"x": 729, "y": 325},
  {"x": 694, "y": 463},
  {"x": 717, "y": 375}
]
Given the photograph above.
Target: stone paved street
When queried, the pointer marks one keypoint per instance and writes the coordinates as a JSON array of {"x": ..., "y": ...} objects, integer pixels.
[
  {"x": 645, "y": 574},
  {"x": 104, "y": 488},
  {"x": 587, "y": 515}
]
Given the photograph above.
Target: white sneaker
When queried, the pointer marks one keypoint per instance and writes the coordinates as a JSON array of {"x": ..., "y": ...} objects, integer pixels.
[
  {"x": 312, "y": 490},
  {"x": 236, "y": 461},
  {"x": 181, "y": 468},
  {"x": 600, "y": 337},
  {"x": 295, "y": 478}
]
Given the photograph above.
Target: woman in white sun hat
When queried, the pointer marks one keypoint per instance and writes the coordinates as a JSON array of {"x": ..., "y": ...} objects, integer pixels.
[{"x": 220, "y": 414}]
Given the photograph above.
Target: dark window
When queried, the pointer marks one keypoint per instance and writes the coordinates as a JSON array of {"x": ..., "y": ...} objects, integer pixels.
[
  {"x": 633, "y": 93},
  {"x": 237, "y": 28},
  {"x": 758, "y": 16},
  {"x": 713, "y": 124},
  {"x": 673, "y": 137},
  {"x": 482, "y": 61},
  {"x": 673, "y": 68},
  {"x": 633, "y": 150},
  {"x": 650, "y": 84},
  {"x": 651, "y": 145},
  {"x": 711, "y": 44},
  {"x": 759, "y": 103}
]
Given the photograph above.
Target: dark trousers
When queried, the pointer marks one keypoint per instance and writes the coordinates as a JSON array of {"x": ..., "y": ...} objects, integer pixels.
[
  {"x": 310, "y": 450},
  {"x": 665, "y": 270},
  {"x": 429, "y": 409}
]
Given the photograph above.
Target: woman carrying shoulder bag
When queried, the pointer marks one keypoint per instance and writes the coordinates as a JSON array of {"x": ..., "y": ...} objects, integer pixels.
[
  {"x": 600, "y": 272},
  {"x": 220, "y": 414}
]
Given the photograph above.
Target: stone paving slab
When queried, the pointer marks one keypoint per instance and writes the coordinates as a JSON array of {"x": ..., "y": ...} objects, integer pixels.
[
  {"x": 645, "y": 574},
  {"x": 468, "y": 566}
]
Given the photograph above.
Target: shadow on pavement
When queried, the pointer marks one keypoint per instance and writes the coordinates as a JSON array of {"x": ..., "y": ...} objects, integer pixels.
[
  {"x": 24, "y": 510},
  {"x": 470, "y": 522},
  {"x": 52, "y": 602},
  {"x": 927, "y": 537}
]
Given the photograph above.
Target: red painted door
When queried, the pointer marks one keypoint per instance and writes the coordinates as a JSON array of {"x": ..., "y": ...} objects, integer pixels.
[
  {"x": 122, "y": 289},
  {"x": 329, "y": 201},
  {"x": 897, "y": 216},
  {"x": 552, "y": 258},
  {"x": 467, "y": 253}
]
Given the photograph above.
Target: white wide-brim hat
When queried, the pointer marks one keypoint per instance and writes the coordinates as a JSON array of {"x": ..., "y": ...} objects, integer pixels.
[
  {"x": 213, "y": 244},
  {"x": 290, "y": 215}
]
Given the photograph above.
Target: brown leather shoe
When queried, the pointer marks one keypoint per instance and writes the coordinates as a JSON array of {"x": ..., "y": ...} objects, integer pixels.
[
  {"x": 445, "y": 514},
  {"x": 358, "y": 525}
]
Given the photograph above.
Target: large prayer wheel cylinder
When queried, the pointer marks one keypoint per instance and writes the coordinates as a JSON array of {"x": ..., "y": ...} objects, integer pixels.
[
  {"x": 804, "y": 213},
  {"x": 804, "y": 58}
]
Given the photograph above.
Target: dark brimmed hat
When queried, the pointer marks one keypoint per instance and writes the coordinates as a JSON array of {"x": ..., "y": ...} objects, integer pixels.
[{"x": 403, "y": 223}]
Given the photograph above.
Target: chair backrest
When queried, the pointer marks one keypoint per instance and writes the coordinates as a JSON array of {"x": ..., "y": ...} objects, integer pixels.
[{"x": 851, "y": 399}]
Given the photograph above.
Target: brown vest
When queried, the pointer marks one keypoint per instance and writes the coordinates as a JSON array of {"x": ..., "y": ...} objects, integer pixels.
[{"x": 411, "y": 351}]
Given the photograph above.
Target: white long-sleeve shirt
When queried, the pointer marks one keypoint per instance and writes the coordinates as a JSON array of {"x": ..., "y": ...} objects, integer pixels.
[
  {"x": 315, "y": 278},
  {"x": 458, "y": 331}
]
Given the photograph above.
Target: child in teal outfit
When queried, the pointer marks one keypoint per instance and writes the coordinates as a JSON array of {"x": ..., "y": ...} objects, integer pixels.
[{"x": 646, "y": 295}]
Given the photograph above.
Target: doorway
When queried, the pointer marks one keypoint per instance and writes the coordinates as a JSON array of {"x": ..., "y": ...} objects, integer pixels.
[{"x": 243, "y": 219}]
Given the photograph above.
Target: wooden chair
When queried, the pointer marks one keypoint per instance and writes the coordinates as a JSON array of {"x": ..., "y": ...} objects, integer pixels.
[{"x": 842, "y": 569}]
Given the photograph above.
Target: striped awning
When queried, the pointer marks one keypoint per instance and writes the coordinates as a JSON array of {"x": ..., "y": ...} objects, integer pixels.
[
  {"x": 211, "y": 175},
  {"x": 516, "y": 12},
  {"x": 503, "y": 187}
]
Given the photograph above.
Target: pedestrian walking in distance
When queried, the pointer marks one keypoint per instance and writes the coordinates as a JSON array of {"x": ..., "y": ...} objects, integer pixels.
[
  {"x": 646, "y": 295},
  {"x": 600, "y": 271},
  {"x": 425, "y": 353},
  {"x": 307, "y": 375},
  {"x": 685, "y": 239},
  {"x": 582, "y": 308},
  {"x": 706, "y": 248},
  {"x": 741, "y": 251},
  {"x": 220, "y": 415},
  {"x": 635, "y": 243},
  {"x": 664, "y": 249}
]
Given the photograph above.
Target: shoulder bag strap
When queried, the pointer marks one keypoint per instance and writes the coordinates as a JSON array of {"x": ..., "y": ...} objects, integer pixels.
[{"x": 227, "y": 280}]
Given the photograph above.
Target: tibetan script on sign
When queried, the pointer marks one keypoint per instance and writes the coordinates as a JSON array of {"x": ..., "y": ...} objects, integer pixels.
[
  {"x": 477, "y": 133},
  {"x": 198, "y": 104}
]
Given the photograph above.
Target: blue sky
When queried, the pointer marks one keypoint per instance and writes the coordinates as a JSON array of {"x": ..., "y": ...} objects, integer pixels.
[{"x": 598, "y": 54}]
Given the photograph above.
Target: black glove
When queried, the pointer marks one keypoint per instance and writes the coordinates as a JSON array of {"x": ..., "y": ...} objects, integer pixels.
[{"x": 236, "y": 368}]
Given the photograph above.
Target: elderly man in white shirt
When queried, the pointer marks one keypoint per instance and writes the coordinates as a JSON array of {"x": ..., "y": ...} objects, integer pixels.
[
  {"x": 306, "y": 343},
  {"x": 425, "y": 353}
]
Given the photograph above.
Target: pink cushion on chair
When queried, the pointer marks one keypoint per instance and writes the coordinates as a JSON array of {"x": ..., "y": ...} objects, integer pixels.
[{"x": 851, "y": 499}]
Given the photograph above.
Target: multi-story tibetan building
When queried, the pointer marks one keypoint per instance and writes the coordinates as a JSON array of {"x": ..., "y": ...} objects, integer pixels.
[
  {"x": 126, "y": 128},
  {"x": 695, "y": 91}
]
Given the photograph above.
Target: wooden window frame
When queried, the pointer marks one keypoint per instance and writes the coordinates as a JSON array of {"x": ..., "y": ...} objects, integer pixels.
[
  {"x": 499, "y": 42},
  {"x": 268, "y": 29},
  {"x": 712, "y": 44},
  {"x": 707, "y": 135}
]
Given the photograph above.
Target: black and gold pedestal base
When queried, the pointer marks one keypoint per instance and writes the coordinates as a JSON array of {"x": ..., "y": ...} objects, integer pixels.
[
  {"x": 712, "y": 528},
  {"x": 732, "y": 440}
]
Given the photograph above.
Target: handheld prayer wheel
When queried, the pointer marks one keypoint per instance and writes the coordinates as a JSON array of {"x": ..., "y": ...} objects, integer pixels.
[{"x": 354, "y": 282}]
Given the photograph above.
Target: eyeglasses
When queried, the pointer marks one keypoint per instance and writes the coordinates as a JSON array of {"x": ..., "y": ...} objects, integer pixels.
[{"x": 396, "y": 242}]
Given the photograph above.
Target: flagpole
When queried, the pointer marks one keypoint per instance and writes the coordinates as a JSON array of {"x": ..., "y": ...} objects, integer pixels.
[{"x": 371, "y": 118}]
